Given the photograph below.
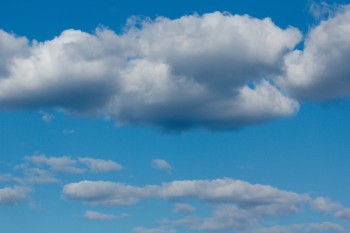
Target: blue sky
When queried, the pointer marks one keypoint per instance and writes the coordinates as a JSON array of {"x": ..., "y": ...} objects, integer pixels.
[{"x": 174, "y": 116}]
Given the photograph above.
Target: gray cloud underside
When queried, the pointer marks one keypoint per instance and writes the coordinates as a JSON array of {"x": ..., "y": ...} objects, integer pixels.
[{"x": 210, "y": 71}]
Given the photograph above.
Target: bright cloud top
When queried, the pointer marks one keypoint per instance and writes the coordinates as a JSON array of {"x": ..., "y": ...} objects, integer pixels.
[
  {"x": 195, "y": 71},
  {"x": 321, "y": 71}
]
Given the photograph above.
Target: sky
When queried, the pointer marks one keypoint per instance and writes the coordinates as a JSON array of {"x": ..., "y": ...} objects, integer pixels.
[{"x": 175, "y": 116}]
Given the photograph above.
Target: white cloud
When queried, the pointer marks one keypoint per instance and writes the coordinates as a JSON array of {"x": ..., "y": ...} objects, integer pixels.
[
  {"x": 161, "y": 164},
  {"x": 99, "y": 165},
  {"x": 183, "y": 208},
  {"x": 93, "y": 215},
  {"x": 321, "y": 71},
  {"x": 194, "y": 71},
  {"x": 11, "y": 196},
  {"x": 60, "y": 164}
]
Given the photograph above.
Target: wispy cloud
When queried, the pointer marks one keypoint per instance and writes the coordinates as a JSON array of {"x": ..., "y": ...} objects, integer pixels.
[
  {"x": 93, "y": 215},
  {"x": 59, "y": 164},
  {"x": 161, "y": 164},
  {"x": 99, "y": 165}
]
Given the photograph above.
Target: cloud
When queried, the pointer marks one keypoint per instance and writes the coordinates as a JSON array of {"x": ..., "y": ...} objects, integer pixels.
[
  {"x": 154, "y": 230},
  {"x": 11, "y": 196},
  {"x": 302, "y": 228},
  {"x": 321, "y": 71},
  {"x": 35, "y": 176},
  {"x": 183, "y": 208},
  {"x": 211, "y": 71},
  {"x": 233, "y": 191},
  {"x": 106, "y": 193},
  {"x": 326, "y": 206},
  {"x": 93, "y": 215},
  {"x": 220, "y": 190},
  {"x": 47, "y": 118},
  {"x": 236, "y": 205},
  {"x": 60, "y": 164},
  {"x": 99, "y": 165},
  {"x": 161, "y": 165},
  {"x": 12, "y": 47},
  {"x": 321, "y": 9}
]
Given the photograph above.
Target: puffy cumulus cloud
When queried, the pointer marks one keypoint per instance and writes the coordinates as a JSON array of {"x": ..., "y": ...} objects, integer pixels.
[
  {"x": 11, "y": 196},
  {"x": 195, "y": 71},
  {"x": 99, "y": 165},
  {"x": 93, "y": 215},
  {"x": 60, "y": 164},
  {"x": 161, "y": 164},
  {"x": 321, "y": 71}
]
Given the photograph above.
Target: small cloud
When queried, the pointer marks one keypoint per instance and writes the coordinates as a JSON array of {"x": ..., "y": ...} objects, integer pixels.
[
  {"x": 161, "y": 165},
  {"x": 99, "y": 165},
  {"x": 47, "y": 118},
  {"x": 93, "y": 215},
  {"x": 183, "y": 208},
  {"x": 154, "y": 230},
  {"x": 320, "y": 9},
  {"x": 12, "y": 196}
]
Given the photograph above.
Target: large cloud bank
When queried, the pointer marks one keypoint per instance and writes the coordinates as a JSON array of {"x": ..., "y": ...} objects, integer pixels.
[
  {"x": 209, "y": 71},
  {"x": 216, "y": 71}
]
